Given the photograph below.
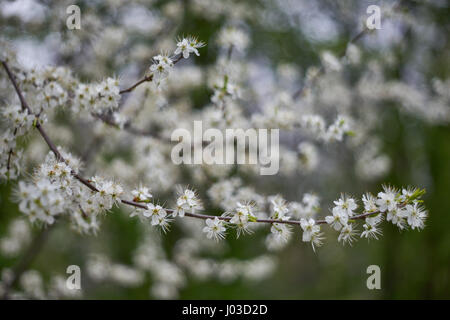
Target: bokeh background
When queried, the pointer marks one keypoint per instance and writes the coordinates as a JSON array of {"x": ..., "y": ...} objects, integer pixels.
[{"x": 413, "y": 264}]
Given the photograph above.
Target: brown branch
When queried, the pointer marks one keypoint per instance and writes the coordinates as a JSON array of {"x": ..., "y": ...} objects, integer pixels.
[
  {"x": 106, "y": 119},
  {"x": 41, "y": 130},
  {"x": 269, "y": 221},
  {"x": 127, "y": 127},
  {"x": 8, "y": 163},
  {"x": 143, "y": 206},
  {"x": 19, "y": 93},
  {"x": 147, "y": 78}
]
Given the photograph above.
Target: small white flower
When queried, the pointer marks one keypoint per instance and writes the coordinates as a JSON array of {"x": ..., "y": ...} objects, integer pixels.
[
  {"x": 188, "y": 200},
  {"x": 106, "y": 96},
  {"x": 141, "y": 194},
  {"x": 397, "y": 215},
  {"x": 346, "y": 205},
  {"x": 347, "y": 234},
  {"x": 406, "y": 193},
  {"x": 214, "y": 229},
  {"x": 241, "y": 217},
  {"x": 162, "y": 65},
  {"x": 161, "y": 220},
  {"x": 371, "y": 229},
  {"x": 338, "y": 219},
  {"x": 243, "y": 213},
  {"x": 280, "y": 231},
  {"x": 154, "y": 210},
  {"x": 369, "y": 203},
  {"x": 386, "y": 200},
  {"x": 279, "y": 208},
  {"x": 416, "y": 215},
  {"x": 188, "y": 45},
  {"x": 309, "y": 229},
  {"x": 316, "y": 240}
]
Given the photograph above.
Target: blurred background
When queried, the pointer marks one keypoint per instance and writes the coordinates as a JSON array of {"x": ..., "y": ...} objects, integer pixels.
[{"x": 285, "y": 39}]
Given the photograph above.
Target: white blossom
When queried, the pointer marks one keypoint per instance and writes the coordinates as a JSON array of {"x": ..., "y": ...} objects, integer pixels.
[
  {"x": 369, "y": 203},
  {"x": 187, "y": 46},
  {"x": 141, "y": 194},
  {"x": 347, "y": 234},
  {"x": 242, "y": 215},
  {"x": 338, "y": 220},
  {"x": 188, "y": 200},
  {"x": 311, "y": 232},
  {"x": 214, "y": 229},
  {"x": 415, "y": 215},
  {"x": 346, "y": 205},
  {"x": 371, "y": 229},
  {"x": 280, "y": 232},
  {"x": 387, "y": 200}
]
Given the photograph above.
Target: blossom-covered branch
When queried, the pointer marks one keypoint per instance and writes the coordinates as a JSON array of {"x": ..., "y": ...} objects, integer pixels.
[
  {"x": 149, "y": 77},
  {"x": 55, "y": 174}
]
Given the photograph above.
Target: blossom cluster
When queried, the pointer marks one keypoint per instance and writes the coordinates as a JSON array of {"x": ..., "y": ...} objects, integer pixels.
[
  {"x": 54, "y": 191},
  {"x": 163, "y": 63},
  {"x": 186, "y": 46},
  {"x": 19, "y": 122},
  {"x": 187, "y": 201},
  {"x": 401, "y": 208},
  {"x": 131, "y": 141},
  {"x": 97, "y": 98},
  {"x": 315, "y": 125},
  {"x": 242, "y": 216}
]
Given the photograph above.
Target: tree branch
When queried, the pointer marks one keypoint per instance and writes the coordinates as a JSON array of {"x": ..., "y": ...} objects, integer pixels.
[
  {"x": 147, "y": 78},
  {"x": 140, "y": 205}
]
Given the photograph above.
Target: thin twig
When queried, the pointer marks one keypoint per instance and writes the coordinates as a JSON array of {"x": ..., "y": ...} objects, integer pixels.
[
  {"x": 109, "y": 121},
  {"x": 126, "y": 127},
  {"x": 41, "y": 130},
  {"x": 147, "y": 78}
]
